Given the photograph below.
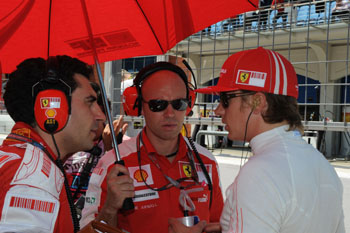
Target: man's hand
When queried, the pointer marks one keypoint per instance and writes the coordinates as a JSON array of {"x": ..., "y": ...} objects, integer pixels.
[
  {"x": 212, "y": 227},
  {"x": 106, "y": 135},
  {"x": 118, "y": 189},
  {"x": 175, "y": 226}
]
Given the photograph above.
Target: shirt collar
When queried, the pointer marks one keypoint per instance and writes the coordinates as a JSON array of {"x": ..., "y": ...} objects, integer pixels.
[
  {"x": 147, "y": 145},
  {"x": 25, "y": 130}
]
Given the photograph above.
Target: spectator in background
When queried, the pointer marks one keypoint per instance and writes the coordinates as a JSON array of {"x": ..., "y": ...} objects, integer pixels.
[
  {"x": 341, "y": 9},
  {"x": 265, "y": 13},
  {"x": 283, "y": 7},
  {"x": 127, "y": 80}
]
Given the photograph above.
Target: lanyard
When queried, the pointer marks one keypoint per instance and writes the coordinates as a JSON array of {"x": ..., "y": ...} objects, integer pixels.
[
  {"x": 32, "y": 142},
  {"x": 172, "y": 182}
]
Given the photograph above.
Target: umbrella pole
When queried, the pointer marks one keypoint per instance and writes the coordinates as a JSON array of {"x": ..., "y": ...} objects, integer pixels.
[
  {"x": 108, "y": 111},
  {"x": 99, "y": 74},
  {"x": 128, "y": 203}
]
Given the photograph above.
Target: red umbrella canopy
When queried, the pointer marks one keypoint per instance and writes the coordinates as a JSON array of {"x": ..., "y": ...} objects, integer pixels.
[{"x": 120, "y": 28}]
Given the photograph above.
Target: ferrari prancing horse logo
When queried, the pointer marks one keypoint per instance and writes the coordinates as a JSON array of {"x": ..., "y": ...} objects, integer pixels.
[
  {"x": 44, "y": 102},
  {"x": 187, "y": 170},
  {"x": 243, "y": 76}
]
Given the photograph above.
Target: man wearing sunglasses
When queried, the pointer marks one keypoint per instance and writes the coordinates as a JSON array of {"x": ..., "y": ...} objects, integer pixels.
[
  {"x": 287, "y": 185},
  {"x": 160, "y": 164}
]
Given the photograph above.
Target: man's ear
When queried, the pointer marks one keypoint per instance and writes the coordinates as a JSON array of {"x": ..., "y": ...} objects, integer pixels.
[
  {"x": 256, "y": 102},
  {"x": 259, "y": 102}
]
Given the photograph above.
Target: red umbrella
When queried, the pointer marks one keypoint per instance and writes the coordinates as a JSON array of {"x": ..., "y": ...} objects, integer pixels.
[
  {"x": 120, "y": 28},
  {"x": 104, "y": 30}
]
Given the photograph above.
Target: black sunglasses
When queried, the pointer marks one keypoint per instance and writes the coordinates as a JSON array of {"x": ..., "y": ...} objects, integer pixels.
[
  {"x": 225, "y": 97},
  {"x": 160, "y": 105}
]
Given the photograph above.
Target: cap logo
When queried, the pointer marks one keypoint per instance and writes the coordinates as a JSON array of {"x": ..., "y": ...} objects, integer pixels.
[
  {"x": 243, "y": 76},
  {"x": 251, "y": 78}
]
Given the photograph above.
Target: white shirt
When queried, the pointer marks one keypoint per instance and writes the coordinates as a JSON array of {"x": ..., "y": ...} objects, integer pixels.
[{"x": 287, "y": 187}]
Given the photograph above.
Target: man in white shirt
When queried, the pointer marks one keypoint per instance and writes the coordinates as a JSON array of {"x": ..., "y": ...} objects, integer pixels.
[{"x": 287, "y": 185}]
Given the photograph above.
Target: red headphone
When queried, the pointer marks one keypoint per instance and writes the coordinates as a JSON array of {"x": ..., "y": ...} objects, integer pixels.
[
  {"x": 132, "y": 96},
  {"x": 52, "y": 100}
]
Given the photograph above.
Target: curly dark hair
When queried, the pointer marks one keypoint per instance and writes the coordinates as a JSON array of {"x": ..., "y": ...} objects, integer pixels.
[{"x": 18, "y": 97}]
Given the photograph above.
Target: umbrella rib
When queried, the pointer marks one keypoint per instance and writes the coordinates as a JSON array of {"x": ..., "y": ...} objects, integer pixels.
[
  {"x": 49, "y": 30},
  {"x": 149, "y": 24},
  {"x": 253, "y": 4}
]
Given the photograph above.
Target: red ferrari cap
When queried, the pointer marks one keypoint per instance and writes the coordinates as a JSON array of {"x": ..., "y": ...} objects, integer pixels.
[{"x": 260, "y": 70}]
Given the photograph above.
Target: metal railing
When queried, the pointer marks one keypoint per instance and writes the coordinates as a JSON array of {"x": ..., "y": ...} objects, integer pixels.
[
  {"x": 294, "y": 14},
  {"x": 216, "y": 121}
]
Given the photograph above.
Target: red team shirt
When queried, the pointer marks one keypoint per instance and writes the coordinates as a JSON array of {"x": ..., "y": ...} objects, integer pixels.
[
  {"x": 154, "y": 208},
  {"x": 32, "y": 194}
]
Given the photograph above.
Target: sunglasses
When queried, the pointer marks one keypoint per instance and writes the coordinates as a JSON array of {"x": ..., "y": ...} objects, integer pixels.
[
  {"x": 160, "y": 105},
  {"x": 225, "y": 97}
]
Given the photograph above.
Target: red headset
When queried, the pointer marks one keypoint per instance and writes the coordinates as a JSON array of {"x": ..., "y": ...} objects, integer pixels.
[
  {"x": 52, "y": 100},
  {"x": 132, "y": 96}
]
